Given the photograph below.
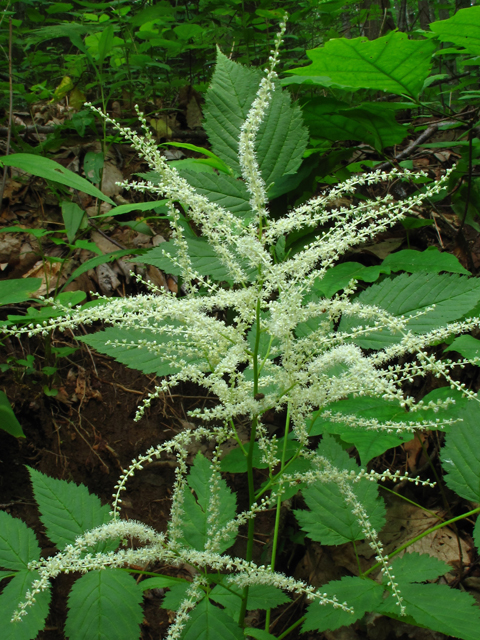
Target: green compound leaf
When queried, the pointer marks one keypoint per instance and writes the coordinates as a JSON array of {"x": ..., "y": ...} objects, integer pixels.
[
  {"x": 12, "y": 595},
  {"x": 332, "y": 120},
  {"x": 418, "y": 567},
  {"x": 18, "y": 543},
  {"x": 362, "y": 595},
  {"x": 259, "y": 597},
  {"x": 104, "y": 604},
  {"x": 392, "y": 63},
  {"x": 369, "y": 443},
  {"x": 282, "y": 138},
  {"x": 8, "y": 419},
  {"x": 51, "y": 170},
  {"x": 329, "y": 519},
  {"x": 18, "y": 290},
  {"x": 134, "y": 354},
  {"x": 436, "y": 607},
  {"x": 226, "y": 191},
  {"x": 208, "y": 622},
  {"x": 258, "y": 634},
  {"x": 461, "y": 455},
  {"x": 67, "y": 510},
  {"x": 452, "y": 295},
  {"x": 431, "y": 260},
  {"x": 467, "y": 346},
  {"x": 195, "y": 527},
  {"x": 462, "y": 29}
]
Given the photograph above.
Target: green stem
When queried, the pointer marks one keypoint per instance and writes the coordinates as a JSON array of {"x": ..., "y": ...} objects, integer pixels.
[
  {"x": 251, "y": 485},
  {"x": 294, "y": 626},
  {"x": 278, "y": 512},
  {"x": 422, "y": 535}
]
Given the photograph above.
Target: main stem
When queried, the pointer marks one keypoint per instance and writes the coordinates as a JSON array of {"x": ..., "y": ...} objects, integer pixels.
[{"x": 251, "y": 485}]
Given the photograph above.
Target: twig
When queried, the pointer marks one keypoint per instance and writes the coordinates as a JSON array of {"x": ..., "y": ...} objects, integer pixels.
[{"x": 408, "y": 150}]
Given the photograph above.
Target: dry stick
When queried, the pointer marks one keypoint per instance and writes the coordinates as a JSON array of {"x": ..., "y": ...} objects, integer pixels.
[
  {"x": 10, "y": 106},
  {"x": 408, "y": 150}
]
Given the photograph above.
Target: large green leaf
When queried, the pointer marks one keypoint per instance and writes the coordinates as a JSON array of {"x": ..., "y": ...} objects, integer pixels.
[
  {"x": 226, "y": 191},
  {"x": 430, "y": 260},
  {"x": 282, "y": 138},
  {"x": 370, "y": 123},
  {"x": 51, "y": 170},
  {"x": 416, "y": 567},
  {"x": 339, "y": 277},
  {"x": 461, "y": 454},
  {"x": 175, "y": 596},
  {"x": 362, "y": 595},
  {"x": 12, "y": 595},
  {"x": 259, "y": 597},
  {"x": 18, "y": 290},
  {"x": 462, "y": 29},
  {"x": 208, "y": 622},
  {"x": 138, "y": 357},
  {"x": 203, "y": 257},
  {"x": 104, "y": 604},
  {"x": 369, "y": 443},
  {"x": 18, "y": 544},
  {"x": 452, "y": 295},
  {"x": 8, "y": 419},
  {"x": 392, "y": 63},
  {"x": 436, "y": 607},
  {"x": 467, "y": 346},
  {"x": 329, "y": 519},
  {"x": 67, "y": 510},
  {"x": 195, "y": 526}
]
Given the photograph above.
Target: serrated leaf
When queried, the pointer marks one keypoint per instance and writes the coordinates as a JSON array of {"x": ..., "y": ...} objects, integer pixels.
[
  {"x": 418, "y": 567},
  {"x": 369, "y": 123},
  {"x": 18, "y": 290},
  {"x": 175, "y": 596},
  {"x": 195, "y": 526},
  {"x": 226, "y": 191},
  {"x": 466, "y": 346},
  {"x": 392, "y": 63},
  {"x": 51, "y": 170},
  {"x": 369, "y": 443},
  {"x": 67, "y": 510},
  {"x": 8, "y": 419},
  {"x": 461, "y": 29},
  {"x": 338, "y": 277},
  {"x": 329, "y": 519},
  {"x": 160, "y": 582},
  {"x": 430, "y": 260},
  {"x": 12, "y": 595},
  {"x": 134, "y": 354},
  {"x": 104, "y": 604},
  {"x": 461, "y": 455},
  {"x": 203, "y": 257},
  {"x": 437, "y": 607},
  {"x": 259, "y": 597},
  {"x": 282, "y": 138},
  {"x": 18, "y": 543},
  {"x": 452, "y": 295},
  {"x": 362, "y": 595},
  {"x": 208, "y": 622}
]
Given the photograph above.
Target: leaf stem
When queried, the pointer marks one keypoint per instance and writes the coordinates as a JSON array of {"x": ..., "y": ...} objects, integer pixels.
[{"x": 422, "y": 535}]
